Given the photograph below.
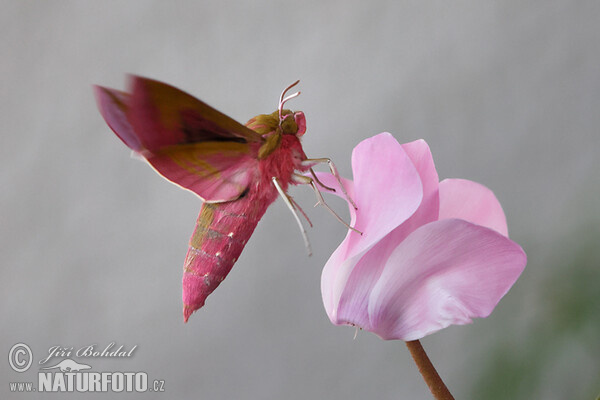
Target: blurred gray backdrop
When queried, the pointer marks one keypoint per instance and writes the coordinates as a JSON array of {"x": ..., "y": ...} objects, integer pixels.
[{"x": 92, "y": 242}]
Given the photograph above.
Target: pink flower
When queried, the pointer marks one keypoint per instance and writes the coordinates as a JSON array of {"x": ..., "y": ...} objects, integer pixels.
[{"x": 432, "y": 253}]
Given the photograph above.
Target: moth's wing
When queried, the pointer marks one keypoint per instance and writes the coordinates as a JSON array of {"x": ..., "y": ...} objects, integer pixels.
[
  {"x": 215, "y": 171},
  {"x": 162, "y": 115},
  {"x": 114, "y": 105},
  {"x": 185, "y": 140}
]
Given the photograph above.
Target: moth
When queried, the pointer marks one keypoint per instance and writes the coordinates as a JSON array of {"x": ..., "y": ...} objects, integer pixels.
[{"x": 237, "y": 170}]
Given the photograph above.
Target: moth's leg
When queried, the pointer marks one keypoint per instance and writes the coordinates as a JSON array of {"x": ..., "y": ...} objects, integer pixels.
[
  {"x": 309, "y": 181},
  {"x": 312, "y": 161},
  {"x": 290, "y": 203},
  {"x": 297, "y": 207},
  {"x": 312, "y": 172}
]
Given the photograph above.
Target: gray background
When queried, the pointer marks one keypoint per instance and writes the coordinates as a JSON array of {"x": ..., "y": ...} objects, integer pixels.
[{"x": 92, "y": 242}]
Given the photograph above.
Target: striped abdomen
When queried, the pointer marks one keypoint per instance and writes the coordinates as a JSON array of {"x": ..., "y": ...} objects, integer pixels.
[{"x": 221, "y": 233}]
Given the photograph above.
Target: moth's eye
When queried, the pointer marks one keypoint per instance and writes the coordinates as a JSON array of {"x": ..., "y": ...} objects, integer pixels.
[{"x": 301, "y": 122}]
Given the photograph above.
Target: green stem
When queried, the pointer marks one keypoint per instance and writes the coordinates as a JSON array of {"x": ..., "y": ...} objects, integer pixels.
[{"x": 426, "y": 368}]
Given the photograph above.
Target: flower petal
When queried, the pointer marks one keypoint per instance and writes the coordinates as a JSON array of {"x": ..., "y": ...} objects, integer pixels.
[
  {"x": 421, "y": 157},
  {"x": 428, "y": 210},
  {"x": 473, "y": 202},
  {"x": 365, "y": 271},
  {"x": 390, "y": 192},
  {"x": 444, "y": 273},
  {"x": 353, "y": 304}
]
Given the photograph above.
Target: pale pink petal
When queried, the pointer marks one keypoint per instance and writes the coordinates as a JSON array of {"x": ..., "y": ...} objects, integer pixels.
[
  {"x": 352, "y": 307},
  {"x": 444, "y": 273},
  {"x": 390, "y": 193},
  {"x": 390, "y": 189},
  {"x": 473, "y": 202},
  {"x": 334, "y": 275},
  {"x": 337, "y": 258},
  {"x": 365, "y": 270},
  {"x": 428, "y": 210}
]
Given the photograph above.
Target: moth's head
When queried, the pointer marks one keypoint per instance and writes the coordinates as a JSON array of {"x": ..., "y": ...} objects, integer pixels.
[{"x": 291, "y": 123}]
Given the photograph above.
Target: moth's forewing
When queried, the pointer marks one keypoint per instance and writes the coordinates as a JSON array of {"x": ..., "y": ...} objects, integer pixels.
[
  {"x": 113, "y": 105},
  {"x": 165, "y": 115},
  {"x": 185, "y": 140}
]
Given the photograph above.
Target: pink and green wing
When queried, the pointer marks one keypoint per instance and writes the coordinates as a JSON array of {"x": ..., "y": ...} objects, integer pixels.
[
  {"x": 114, "y": 105},
  {"x": 168, "y": 116},
  {"x": 215, "y": 171},
  {"x": 185, "y": 140}
]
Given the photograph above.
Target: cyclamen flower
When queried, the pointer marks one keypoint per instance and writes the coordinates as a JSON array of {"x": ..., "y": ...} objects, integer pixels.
[{"x": 432, "y": 254}]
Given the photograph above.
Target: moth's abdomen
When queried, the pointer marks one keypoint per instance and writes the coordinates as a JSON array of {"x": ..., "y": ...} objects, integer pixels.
[{"x": 221, "y": 233}]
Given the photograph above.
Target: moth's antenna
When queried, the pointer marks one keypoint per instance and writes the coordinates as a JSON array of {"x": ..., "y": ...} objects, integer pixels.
[{"x": 282, "y": 100}]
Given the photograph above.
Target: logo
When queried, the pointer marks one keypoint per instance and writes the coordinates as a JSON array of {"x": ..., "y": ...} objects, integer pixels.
[
  {"x": 69, "y": 365},
  {"x": 60, "y": 372},
  {"x": 20, "y": 357}
]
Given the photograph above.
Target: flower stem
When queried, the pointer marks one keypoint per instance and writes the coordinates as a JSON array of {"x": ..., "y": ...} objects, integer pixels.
[{"x": 426, "y": 368}]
